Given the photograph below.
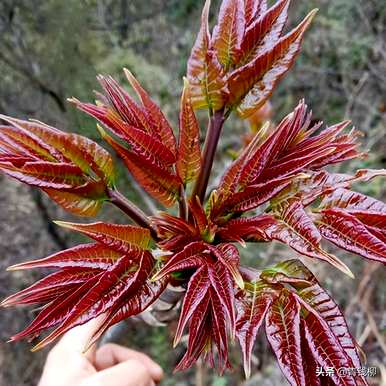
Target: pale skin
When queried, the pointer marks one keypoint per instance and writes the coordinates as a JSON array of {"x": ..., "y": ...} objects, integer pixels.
[{"x": 110, "y": 364}]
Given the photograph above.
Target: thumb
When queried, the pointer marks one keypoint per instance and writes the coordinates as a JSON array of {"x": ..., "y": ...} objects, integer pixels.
[
  {"x": 129, "y": 373},
  {"x": 78, "y": 338}
]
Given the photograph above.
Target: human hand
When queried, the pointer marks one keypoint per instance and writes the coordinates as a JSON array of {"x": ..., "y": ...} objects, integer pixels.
[{"x": 110, "y": 364}]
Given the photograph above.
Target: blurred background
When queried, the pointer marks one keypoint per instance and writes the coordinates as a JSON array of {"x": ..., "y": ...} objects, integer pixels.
[{"x": 52, "y": 49}]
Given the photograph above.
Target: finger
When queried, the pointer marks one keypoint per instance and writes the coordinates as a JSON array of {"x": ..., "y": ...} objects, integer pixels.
[
  {"x": 129, "y": 373},
  {"x": 78, "y": 338},
  {"x": 112, "y": 354}
]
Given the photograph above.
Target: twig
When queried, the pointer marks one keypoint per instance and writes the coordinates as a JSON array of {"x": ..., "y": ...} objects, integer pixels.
[
  {"x": 365, "y": 334},
  {"x": 183, "y": 204},
  {"x": 200, "y": 373},
  {"x": 131, "y": 210},
  {"x": 216, "y": 123},
  {"x": 366, "y": 308},
  {"x": 374, "y": 329},
  {"x": 354, "y": 94},
  {"x": 368, "y": 272}
]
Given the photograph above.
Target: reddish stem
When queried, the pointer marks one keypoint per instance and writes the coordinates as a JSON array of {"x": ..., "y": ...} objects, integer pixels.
[
  {"x": 211, "y": 141},
  {"x": 136, "y": 214},
  {"x": 184, "y": 213}
]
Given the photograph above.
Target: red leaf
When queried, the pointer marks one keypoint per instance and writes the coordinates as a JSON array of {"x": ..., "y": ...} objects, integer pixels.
[
  {"x": 345, "y": 145},
  {"x": 115, "y": 283},
  {"x": 261, "y": 162},
  {"x": 222, "y": 284},
  {"x": 88, "y": 155},
  {"x": 121, "y": 238},
  {"x": 229, "y": 32},
  {"x": 208, "y": 314},
  {"x": 142, "y": 143},
  {"x": 219, "y": 332},
  {"x": 159, "y": 183},
  {"x": 118, "y": 101},
  {"x": 57, "y": 311},
  {"x": 175, "y": 232},
  {"x": 253, "y": 83},
  {"x": 369, "y": 218},
  {"x": 201, "y": 222},
  {"x": 309, "y": 363},
  {"x": 47, "y": 174},
  {"x": 77, "y": 292},
  {"x": 254, "y": 9},
  {"x": 207, "y": 85},
  {"x": 189, "y": 257},
  {"x": 295, "y": 273},
  {"x": 195, "y": 294},
  {"x": 209, "y": 297},
  {"x": 54, "y": 145},
  {"x": 250, "y": 317},
  {"x": 189, "y": 153},
  {"x": 130, "y": 306},
  {"x": 246, "y": 229},
  {"x": 199, "y": 336},
  {"x": 305, "y": 141},
  {"x": 346, "y": 149},
  {"x": 281, "y": 169},
  {"x": 156, "y": 180},
  {"x": 229, "y": 181},
  {"x": 345, "y": 199},
  {"x": 296, "y": 229},
  {"x": 71, "y": 169},
  {"x": 144, "y": 127},
  {"x": 51, "y": 287},
  {"x": 264, "y": 31},
  {"x": 325, "y": 346},
  {"x": 347, "y": 232},
  {"x": 158, "y": 120},
  {"x": 91, "y": 256},
  {"x": 316, "y": 184},
  {"x": 15, "y": 140},
  {"x": 293, "y": 214},
  {"x": 283, "y": 333},
  {"x": 293, "y": 147},
  {"x": 78, "y": 204},
  {"x": 378, "y": 233},
  {"x": 254, "y": 195},
  {"x": 257, "y": 160},
  {"x": 321, "y": 302},
  {"x": 197, "y": 60}
]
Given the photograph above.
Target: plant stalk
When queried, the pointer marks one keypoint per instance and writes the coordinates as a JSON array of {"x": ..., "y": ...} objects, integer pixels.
[
  {"x": 216, "y": 123},
  {"x": 184, "y": 213},
  {"x": 136, "y": 214}
]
